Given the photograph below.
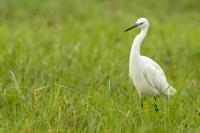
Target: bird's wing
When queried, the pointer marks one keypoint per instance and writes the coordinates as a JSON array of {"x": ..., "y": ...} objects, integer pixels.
[
  {"x": 155, "y": 76},
  {"x": 148, "y": 60}
]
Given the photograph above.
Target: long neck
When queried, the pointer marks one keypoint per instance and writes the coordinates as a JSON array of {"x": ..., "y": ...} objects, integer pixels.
[{"x": 135, "y": 50}]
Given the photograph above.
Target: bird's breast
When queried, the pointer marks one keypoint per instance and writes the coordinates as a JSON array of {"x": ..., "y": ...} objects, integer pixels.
[{"x": 136, "y": 73}]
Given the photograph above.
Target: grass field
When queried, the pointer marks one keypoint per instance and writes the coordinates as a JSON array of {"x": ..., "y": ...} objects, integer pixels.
[{"x": 64, "y": 65}]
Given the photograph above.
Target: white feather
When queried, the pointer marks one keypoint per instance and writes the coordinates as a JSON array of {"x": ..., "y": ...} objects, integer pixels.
[{"x": 148, "y": 77}]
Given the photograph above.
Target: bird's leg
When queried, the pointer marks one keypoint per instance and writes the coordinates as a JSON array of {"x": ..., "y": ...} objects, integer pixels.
[
  {"x": 156, "y": 107},
  {"x": 142, "y": 100}
]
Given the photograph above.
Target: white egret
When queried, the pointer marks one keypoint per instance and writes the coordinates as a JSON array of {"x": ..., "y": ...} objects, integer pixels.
[{"x": 148, "y": 77}]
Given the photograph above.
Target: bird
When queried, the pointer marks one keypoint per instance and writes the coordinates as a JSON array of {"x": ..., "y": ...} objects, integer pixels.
[{"x": 148, "y": 77}]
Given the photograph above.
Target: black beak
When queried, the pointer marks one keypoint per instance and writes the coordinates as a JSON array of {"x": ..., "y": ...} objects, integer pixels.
[{"x": 134, "y": 26}]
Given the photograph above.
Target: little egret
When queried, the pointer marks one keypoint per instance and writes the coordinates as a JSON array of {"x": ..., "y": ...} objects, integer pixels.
[{"x": 148, "y": 77}]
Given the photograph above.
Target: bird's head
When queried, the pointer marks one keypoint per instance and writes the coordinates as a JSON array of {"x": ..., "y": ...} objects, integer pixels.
[{"x": 141, "y": 23}]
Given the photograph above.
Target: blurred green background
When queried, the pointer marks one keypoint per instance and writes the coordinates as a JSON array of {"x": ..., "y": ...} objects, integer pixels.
[{"x": 81, "y": 47}]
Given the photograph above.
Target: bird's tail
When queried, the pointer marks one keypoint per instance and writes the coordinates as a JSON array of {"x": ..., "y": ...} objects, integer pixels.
[{"x": 171, "y": 91}]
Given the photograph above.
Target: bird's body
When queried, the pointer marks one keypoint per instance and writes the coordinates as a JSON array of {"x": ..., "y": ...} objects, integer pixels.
[{"x": 148, "y": 77}]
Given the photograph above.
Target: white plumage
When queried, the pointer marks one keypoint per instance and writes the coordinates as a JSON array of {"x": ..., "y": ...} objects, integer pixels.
[{"x": 148, "y": 77}]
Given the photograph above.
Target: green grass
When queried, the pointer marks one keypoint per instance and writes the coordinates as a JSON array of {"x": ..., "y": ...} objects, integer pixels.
[{"x": 81, "y": 45}]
